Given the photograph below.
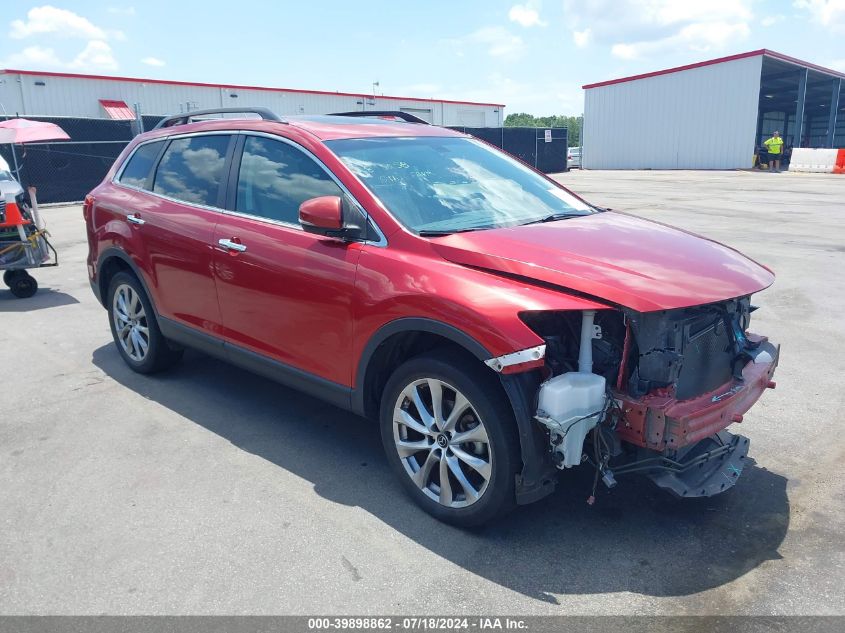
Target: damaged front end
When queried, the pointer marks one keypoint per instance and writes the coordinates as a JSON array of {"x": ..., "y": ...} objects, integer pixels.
[{"x": 653, "y": 393}]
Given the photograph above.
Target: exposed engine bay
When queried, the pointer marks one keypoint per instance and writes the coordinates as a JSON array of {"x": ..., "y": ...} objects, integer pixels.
[{"x": 652, "y": 392}]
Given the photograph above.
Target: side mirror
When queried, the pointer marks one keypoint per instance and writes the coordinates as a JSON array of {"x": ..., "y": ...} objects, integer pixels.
[
  {"x": 332, "y": 216},
  {"x": 322, "y": 215}
]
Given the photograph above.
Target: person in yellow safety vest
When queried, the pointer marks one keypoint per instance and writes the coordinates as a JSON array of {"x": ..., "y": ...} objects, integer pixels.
[{"x": 774, "y": 147}]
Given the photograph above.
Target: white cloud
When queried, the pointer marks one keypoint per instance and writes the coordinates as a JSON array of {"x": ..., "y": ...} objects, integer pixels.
[
  {"x": 582, "y": 38},
  {"x": 525, "y": 15},
  {"x": 33, "y": 57},
  {"x": 50, "y": 20},
  {"x": 47, "y": 22},
  {"x": 828, "y": 13},
  {"x": 641, "y": 28},
  {"x": 153, "y": 61},
  {"x": 97, "y": 56},
  {"x": 771, "y": 20},
  {"x": 669, "y": 12},
  {"x": 702, "y": 37},
  {"x": 499, "y": 42}
]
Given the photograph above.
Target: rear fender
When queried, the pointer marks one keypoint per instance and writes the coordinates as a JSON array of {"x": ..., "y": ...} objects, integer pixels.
[{"x": 111, "y": 253}]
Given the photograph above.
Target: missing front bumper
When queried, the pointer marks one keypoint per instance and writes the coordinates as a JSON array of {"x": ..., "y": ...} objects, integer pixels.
[
  {"x": 709, "y": 468},
  {"x": 660, "y": 421}
]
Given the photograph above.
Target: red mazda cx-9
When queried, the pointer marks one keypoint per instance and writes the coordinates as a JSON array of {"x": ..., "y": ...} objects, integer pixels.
[{"x": 499, "y": 328}]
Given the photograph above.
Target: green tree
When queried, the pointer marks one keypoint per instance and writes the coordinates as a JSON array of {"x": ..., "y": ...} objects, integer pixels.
[{"x": 571, "y": 123}]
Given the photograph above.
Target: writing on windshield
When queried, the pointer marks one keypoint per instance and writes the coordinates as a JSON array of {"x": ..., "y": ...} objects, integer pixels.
[{"x": 448, "y": 184}]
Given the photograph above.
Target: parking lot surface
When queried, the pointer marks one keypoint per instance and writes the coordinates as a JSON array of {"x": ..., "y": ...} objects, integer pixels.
[{"x": 208, "y": 490}]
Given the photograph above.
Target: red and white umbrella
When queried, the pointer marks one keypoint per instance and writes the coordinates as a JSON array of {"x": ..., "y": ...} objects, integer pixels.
[
  {"x": 26, "y": 131},
  {"x": 15, "y": 131}
]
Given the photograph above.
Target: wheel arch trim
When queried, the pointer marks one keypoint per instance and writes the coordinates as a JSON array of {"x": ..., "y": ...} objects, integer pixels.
[
  {"x": 409, "y": 325},
  {"x": 111, "y": 253}
]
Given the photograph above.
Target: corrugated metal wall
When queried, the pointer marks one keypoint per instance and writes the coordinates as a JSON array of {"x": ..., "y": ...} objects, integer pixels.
[
  {"x": 701, "y": 118},
  {"x": 79, "y": 97}
]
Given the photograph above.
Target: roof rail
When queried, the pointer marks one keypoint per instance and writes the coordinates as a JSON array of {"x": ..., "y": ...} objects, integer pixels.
[
  {"x": 378, "y": 114},
  {"x": 182, "y": 119}
]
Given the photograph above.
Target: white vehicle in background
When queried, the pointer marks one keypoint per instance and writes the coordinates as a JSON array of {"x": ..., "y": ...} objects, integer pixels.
[
  {"x": 8, "y": 183},
  {"x": 573, "y": 158}
]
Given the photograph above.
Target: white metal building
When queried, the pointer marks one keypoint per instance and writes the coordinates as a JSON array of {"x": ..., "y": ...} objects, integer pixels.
[
  {"x": 65, "y": 94},
  {"x": 713, "y": 114}
]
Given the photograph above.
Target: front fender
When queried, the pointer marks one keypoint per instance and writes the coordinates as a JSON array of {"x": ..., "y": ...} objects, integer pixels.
[{"x": 393, "y": 285}]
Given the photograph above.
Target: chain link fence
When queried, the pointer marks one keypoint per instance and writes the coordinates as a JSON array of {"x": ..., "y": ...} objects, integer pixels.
[
  {"x": 65, "y": 171},
  {"x": 543, "y": 148}
]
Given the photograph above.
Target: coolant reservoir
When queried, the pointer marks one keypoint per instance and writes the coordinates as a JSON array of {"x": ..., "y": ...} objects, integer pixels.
[{"x": 570, "y": 405}]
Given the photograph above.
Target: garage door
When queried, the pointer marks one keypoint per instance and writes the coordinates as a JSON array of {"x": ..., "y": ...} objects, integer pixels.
[{"x": 471, "y": 118}]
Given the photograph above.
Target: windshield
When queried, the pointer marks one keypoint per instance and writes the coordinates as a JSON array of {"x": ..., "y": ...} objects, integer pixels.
[
  {"x": 5, "y": 175},
  {"x": 449, "y": 184}
]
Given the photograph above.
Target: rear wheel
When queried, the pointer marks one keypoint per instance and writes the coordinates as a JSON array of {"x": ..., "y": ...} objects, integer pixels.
[
  {"x": 451, "y": 438},
  {"x": 21, "y": 283},
  {"x": 134, "y": 327}
]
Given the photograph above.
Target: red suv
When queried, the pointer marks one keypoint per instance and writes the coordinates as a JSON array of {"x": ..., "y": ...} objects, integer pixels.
[{"x": 499, "y": 327}]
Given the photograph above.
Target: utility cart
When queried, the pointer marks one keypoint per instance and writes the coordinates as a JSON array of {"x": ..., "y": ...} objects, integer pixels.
[{"x": 23, "y": 245}]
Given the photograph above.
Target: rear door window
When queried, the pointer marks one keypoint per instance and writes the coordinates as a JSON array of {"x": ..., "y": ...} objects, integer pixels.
[
  {"x": 138, "y": 167},
  {"x": 275, "y": 178},
  {"x": 191, "y": 169}
]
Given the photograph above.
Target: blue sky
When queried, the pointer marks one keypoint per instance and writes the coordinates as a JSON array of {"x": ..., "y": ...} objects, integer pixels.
[{"x": 531, "y": 55}]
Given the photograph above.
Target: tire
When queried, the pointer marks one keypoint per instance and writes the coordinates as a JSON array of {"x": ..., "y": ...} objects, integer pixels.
[
  {"x": 21, "y": 283},
  {"x": 8, "y": 275},
  {"x": 488, "y": 463},
  {"x": 134, "y": 327}
]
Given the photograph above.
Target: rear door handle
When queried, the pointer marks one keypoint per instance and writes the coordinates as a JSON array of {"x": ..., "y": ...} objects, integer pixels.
[
  {"x": 135, "y": 219},
  {"x": 229, "y": 245}
]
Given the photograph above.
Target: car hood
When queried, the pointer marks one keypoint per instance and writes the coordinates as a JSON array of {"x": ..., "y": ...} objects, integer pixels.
[{"x": 622, "y": 259}]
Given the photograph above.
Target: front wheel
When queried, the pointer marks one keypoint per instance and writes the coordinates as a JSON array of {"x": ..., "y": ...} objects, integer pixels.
[{"x": 450, "y": 436}]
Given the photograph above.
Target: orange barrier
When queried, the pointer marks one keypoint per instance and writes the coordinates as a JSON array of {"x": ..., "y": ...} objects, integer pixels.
[
  {"x": 839, "y": 167},
  {"x": 14, "y": 217}
]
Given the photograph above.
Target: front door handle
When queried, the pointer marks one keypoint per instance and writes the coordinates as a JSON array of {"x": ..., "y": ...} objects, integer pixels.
[
  {"x": 229, "y": 245},
  {"x": 135, "y": 219}
]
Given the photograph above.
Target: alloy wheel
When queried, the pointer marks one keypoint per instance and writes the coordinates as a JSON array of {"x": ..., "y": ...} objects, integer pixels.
[
  {"x": 130, "y": 323},
  {"x": 442, "y": 443}
]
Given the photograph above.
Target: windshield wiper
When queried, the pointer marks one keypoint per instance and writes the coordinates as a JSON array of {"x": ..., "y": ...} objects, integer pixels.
[
  {"x": 554, "y": 217},
  {"x": 433, "y": 233}
]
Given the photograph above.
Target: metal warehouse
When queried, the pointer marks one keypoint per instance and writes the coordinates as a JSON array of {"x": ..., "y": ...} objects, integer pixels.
[
  {"x": 713, "y": 114},
  {"x": 35, "y": 93}
]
